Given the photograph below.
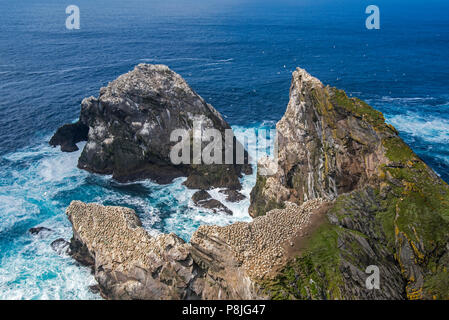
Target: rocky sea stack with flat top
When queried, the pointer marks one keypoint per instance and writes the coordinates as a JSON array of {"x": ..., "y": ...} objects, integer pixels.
[
  {"x": 128, "y": 128},
  {"x": 348, "y": 194}
]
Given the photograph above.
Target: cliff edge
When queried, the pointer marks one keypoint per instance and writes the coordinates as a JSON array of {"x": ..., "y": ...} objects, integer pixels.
[{"x": 389, "y": 209}]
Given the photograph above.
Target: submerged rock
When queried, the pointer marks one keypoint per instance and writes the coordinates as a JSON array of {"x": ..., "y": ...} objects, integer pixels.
[
  {"x": 95, "y": 289},
  {"x": 130, "y": 124},
  {"x": 233, "y": 195},
  {"x": 60, "y": 246},
  {"x": 38, "y": 230},
  {"x": 204, "y": 200}
]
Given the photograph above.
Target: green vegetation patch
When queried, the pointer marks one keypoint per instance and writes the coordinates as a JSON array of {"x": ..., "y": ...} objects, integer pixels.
[
  {"x": 357, "y": 107},
  {"x": 313, "y": 275}
]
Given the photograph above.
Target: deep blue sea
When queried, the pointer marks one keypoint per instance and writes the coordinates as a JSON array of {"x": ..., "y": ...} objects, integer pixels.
[{"x": 238, "y": 55}]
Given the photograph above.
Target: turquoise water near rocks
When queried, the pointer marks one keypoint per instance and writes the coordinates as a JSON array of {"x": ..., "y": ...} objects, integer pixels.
[{"x": 238, "y": 56}]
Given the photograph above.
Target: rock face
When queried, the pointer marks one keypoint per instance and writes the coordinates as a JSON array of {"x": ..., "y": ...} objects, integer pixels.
[
  {"x": 69, "y": 135},
  {"x": 128, "y": 129},
  {"x": 389, "y": 209},
  {"x": 325, "y": 147}
]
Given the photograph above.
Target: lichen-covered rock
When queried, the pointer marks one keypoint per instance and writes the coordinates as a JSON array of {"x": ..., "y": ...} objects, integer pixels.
[
  {"x": 128, "y": 129},
  {"x": 389, "y": 209}
]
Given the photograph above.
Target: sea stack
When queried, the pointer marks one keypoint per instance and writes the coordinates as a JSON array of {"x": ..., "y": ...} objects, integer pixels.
[{"x": 128, "y": 128}]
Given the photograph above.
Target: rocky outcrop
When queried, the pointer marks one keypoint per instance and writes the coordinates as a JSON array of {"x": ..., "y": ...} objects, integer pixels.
[
  {"x": 259, "y": 247},
  {"x": 218, "y": 263},
  {"x": 60, "y": 246},
  {"x": 388, "y": 208},
  {"x": 38, "y": 230},
  {"x": 233, "y": 195},
  {"x": 325, "y": 147},
  {"x": 128, "y": 263},
  {"x": 128, "y": 129},
  {"x": 69, "y": 135}
]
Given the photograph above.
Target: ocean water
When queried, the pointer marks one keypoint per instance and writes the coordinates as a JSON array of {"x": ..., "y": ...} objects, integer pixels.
[{"x": 238, "y": 55}]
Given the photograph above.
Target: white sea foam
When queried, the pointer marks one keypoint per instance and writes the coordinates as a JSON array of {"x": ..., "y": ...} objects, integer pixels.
[
  {"x": 32, "y": 270},
  {"x": 29, "y": 268},
  {"x": 14, "y": 210},
  {"x": 405, "y": 100},
  {"x": 430, "y": 129},
  {"x": 60, "y": 166}
]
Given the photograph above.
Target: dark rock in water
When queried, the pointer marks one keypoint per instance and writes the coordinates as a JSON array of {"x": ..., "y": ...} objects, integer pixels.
[
  {"x": 60, "y": 246},
  {"x": 38, "y": 230},
  {"x": 79, "y": 252},
  {"x": 203, "y": 199},
  {"x": 215, "y": 206},
  {"x": 233, "y": 195},
  {"x": 130, "y": 125},
  {"x": 94, "y": 288},
  {"x": 200, "y": 196},
  {"x": 69, "y": 135}
]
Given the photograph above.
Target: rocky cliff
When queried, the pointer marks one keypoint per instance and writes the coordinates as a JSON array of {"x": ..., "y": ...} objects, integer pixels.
[
  {"x": 348, "y": 194},
  {"x": 128, "y": 129},
  {"x": 389, "y": 209}
]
